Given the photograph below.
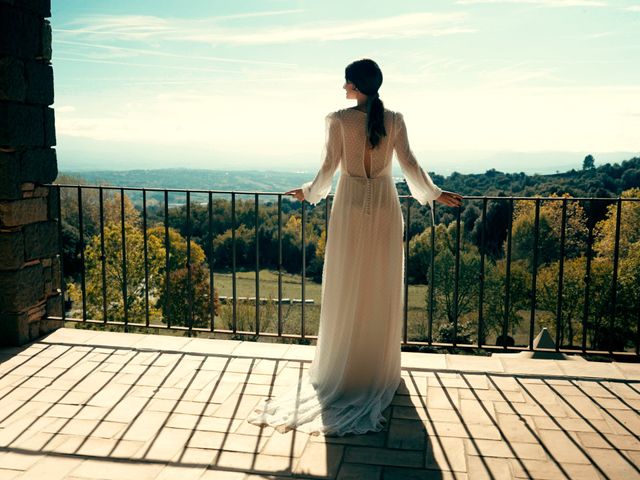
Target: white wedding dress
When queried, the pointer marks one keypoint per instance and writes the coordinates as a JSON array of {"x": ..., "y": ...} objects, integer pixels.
[{"x": 356, "y": 368}]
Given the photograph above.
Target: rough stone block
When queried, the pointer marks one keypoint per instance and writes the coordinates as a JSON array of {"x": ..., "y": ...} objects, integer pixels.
[
  {"x": 11, "y": 250},
  {"x": 45, "y": 45},
  {"x": 20, "y": 289},
  {"x": 9, "y": 176},
  {"x": 20, "y": 32},
  {"x": 21, "y": 125},
  {"x": 49, "y": 127},
  {"x": 23, "y": 212},
  {"x": 37, "y": 311},
  {"x": 13, "y": 84},
  {"x": 40, "y": 239},
  {"x": 41, "y": 191},
  {"x": 38, "y": 165},
  {"x": 41, "y": 7},
  {"x": 14, "y": 329},
  {"x": 54, "y": 305},
  {"x": 52, "y": 204},
  {"x": 39, "y": 83},
  {"x": 55, "y": 274}
]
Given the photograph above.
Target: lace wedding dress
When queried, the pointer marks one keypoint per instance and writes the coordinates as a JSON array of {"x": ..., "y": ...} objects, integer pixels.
[{"x": 356, "y": 369}]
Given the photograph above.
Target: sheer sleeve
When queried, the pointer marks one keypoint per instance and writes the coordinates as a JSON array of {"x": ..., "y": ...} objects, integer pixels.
[
  {"x": 420, "y": 184},
  {"x": 320, "y": 187}
]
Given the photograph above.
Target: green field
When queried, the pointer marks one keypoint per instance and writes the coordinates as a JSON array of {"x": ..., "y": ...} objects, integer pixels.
[{"x": 291, "y": 313}]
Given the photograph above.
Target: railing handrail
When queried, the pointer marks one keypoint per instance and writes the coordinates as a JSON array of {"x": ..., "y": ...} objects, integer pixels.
[{"x": 267, "y": 192}]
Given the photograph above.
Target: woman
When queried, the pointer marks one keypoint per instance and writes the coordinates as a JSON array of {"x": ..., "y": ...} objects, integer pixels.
[{"x": 356, "y": 369}]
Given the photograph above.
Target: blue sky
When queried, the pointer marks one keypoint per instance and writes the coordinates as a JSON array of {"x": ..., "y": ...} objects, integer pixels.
[{"x": 519, "y": 85}]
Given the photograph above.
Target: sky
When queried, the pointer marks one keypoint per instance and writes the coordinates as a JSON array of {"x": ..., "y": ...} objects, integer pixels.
[{"x": 517, "y": 85}]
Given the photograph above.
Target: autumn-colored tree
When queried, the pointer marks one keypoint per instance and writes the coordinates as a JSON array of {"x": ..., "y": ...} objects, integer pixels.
[
  {"x": 182, "y": 289},
  {"x": 174, "y": 297},
  {"x": 114, "y": 278}
]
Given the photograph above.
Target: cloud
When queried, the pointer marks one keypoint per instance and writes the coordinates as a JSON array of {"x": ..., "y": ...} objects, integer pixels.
[
  {"x": 633, "y": 8},
  {"x": 546, "y": 3},
  {"x": 128, "y": 51},
  {"x": 144, "y": 26},
  {"x": 210, "y": 31}
]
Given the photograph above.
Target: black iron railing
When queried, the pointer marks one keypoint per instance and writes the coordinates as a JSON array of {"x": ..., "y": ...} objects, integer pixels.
[{"x": 479, "y": 319}]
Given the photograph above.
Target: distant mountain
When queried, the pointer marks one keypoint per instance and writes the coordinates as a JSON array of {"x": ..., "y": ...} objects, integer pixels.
[
  {"x": 603, "y": 180},
  {"x": 187, "y": 178}
]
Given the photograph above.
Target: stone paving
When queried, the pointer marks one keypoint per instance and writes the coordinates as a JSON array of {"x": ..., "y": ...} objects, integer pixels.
[{"x": 82, "y": 404}]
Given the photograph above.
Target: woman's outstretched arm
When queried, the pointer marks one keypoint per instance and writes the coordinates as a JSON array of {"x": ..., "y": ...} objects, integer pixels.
[
  {"x": 420, "y": 184},
  {"x": 320, "y": 186}
]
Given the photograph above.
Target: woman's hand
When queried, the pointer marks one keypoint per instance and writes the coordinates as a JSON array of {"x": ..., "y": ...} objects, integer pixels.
[
  {"x": 296, "y": 192},
  {"x": 449, "y": 199}
]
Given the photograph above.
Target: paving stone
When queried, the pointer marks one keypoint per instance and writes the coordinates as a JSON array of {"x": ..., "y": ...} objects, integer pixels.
[
  {"x": 219, "y": 474},
  {"x": 117, "y": 470},
  {"x": 446, "y": 454},
  {"x": 406, "y": 434},
  {"x": 473, "y": 411},
  {"x": 173, "y": 472},
  {"x": 358, "y": 471},
  {"x": 291, "y": 444},
  {"x": 381, "y": 456},
  {"x": 164, "y": 446},
  {"x": 369, "y": 439},
  {"x": 538, "y": 469},
  {"x": 621, "y": 442},
  {"x": 322, "y": 460},
  {"x": 480, "y": 468},
  {"x": 8, "y": 474},
  {"x": 18, "y": 461},
  {"x": 613, "y": 463},
  {"x": 51, "y": 468},
  {"x": 399, "y": 473},
  {"x": 561, "y": 448},
  {"x": 516, "y": 429}
]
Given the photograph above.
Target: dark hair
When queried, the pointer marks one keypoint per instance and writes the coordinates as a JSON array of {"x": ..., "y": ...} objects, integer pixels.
[{"x": 366, "y": 75}]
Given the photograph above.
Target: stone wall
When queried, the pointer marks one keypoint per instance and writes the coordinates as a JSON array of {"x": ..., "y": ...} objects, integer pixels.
[{"x": 29, "y": 260}]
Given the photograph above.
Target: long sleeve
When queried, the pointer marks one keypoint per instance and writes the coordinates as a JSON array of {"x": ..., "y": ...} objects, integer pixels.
[
  {"x": 420, "y": 184},
  {"x": 320, "y": 187}
]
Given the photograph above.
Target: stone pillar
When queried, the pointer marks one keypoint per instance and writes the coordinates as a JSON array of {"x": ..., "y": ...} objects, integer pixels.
[{"x": 29, "y": 250}]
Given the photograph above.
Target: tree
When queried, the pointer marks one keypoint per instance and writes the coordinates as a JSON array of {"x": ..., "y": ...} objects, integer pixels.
[
  {"x": 175, "y": 303},
  {"x": 495, "y": 287},
  {"x": 177, "y": 300},
  {"x": 549, "y": 230},
  {"x": 446, "y": 309},
  {"x": 628, "y": 297},
  {"x": 114, "y": 279},
  {"x": 588, "y": 163}
]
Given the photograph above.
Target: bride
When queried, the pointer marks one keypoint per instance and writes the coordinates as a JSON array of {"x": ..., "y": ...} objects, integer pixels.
[{"x": 356, "y": 368}]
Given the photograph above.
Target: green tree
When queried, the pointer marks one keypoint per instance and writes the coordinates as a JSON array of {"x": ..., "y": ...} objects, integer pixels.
[
  {"x": 175, "y": 303},
  {"x": 588, "y": 163}
]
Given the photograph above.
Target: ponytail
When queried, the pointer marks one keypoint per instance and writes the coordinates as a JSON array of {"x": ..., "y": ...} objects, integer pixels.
[{"x": 375, "y": 120}]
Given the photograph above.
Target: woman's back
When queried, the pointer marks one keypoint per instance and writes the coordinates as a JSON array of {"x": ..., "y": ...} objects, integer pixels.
[{"x": 355, "y": 144}]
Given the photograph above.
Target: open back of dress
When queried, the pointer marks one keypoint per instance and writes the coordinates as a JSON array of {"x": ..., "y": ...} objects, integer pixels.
[{"x": 356, "y": 368}]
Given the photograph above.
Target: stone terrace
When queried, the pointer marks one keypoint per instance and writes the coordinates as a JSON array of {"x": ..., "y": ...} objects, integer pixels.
[{"x": 85, "y": 404}]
